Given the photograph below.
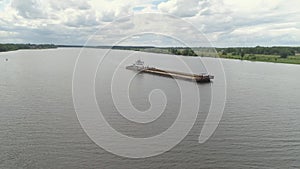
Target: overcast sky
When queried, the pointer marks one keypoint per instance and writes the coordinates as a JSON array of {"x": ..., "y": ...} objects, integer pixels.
[{"x": 224, "y": 22}]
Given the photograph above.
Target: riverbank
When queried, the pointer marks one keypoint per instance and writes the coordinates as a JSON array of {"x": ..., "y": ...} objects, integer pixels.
[
  {"x": 264, "y": 58},
  {"x": 13, "y": 47},
  {"x": 275, "y": 54},
  {"x": 288, "y": 55}
]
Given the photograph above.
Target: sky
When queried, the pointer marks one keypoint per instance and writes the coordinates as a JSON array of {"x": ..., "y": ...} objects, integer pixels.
[{"x": 224, "y": 23}]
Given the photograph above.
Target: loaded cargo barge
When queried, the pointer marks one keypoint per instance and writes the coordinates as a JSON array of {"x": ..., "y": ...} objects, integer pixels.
[{"x": 200, "y": 78}]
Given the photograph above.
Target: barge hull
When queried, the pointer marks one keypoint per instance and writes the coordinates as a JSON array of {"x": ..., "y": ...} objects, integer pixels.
[{"x": 173, "y": 74}]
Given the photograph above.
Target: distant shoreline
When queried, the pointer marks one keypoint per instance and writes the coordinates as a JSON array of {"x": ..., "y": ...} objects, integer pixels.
[
  {"x": 289, "y": 55},
  {"x": 13, "y": 47}
]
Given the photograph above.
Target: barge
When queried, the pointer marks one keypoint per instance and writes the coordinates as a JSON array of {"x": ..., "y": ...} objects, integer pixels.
[{"x": 199, "y": 78}]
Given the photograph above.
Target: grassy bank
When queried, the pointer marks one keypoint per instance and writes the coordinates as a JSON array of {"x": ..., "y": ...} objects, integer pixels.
[{"x": 264, "y": 58}]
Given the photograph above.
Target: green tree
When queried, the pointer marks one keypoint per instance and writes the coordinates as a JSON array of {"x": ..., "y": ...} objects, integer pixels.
[
  {"x": 283, "y": 54},
  {"x": 242, "y": 55}
]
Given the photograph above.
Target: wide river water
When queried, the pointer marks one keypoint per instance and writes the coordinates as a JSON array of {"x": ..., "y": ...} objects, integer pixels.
[{"x": 39, "y": 128}]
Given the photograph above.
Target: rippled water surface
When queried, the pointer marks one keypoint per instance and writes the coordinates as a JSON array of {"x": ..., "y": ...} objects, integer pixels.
[{"x": 39, "y": 128}]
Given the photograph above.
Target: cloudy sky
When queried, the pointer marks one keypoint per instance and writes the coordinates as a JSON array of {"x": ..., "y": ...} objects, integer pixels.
[{"x": 224, "y": 22}]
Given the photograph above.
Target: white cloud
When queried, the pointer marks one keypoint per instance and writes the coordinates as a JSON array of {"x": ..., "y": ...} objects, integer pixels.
[
  {"x": 181, "y": 8},
  {"x": 28, "y": 8},
  {"x": 224, "y": 22}
]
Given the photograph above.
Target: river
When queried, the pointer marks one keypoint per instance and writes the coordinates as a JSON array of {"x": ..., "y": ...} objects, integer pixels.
[{"x": 39, "y": 128}]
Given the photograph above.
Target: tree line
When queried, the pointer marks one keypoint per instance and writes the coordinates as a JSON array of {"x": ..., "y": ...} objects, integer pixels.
[
  {"x": 12, "y": 47},
  {"x": 283, "y": 52},
  {"x": 182, "y": 51}
]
